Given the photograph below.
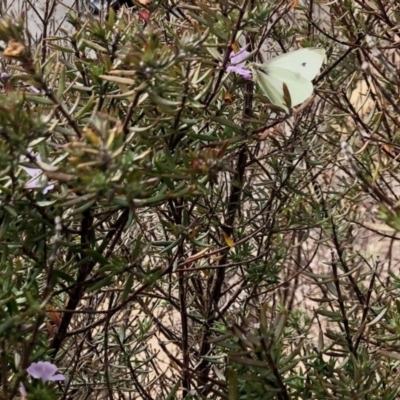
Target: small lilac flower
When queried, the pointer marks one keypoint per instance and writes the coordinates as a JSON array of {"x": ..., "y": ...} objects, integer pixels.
[
  {"x": 38, "y": 180},
  {"x": 45, "y": 371},
  {"x": 236, "y": 64},
  {"x": 33, "y": 89},
  {"x": 4, "y": 76},
  {"x": 23, "y": 391}
]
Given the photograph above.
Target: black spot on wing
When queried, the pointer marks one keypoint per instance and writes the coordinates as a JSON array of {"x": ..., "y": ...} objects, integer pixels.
[{"x": 264, "y": 70}]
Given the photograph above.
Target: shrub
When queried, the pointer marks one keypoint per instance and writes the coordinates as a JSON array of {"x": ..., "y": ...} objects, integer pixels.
[{"x": 166, "y": 232}]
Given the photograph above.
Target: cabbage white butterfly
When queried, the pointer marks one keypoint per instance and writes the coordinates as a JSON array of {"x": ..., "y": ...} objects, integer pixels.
[{"x": 295, "y": 69}]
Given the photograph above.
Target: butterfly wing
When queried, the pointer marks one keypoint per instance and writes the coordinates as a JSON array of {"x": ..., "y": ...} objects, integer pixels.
[
  {"x": 295, "y": 70},
  {"x": 269, "y": 86},
  {"x": 300, "y": 88},
  {"x": 271, "y": 80},
  {"x": 305, "y": 62}
]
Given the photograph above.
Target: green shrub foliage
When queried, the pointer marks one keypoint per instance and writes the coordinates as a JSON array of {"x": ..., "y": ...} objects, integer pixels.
[{"x": 166, "y": 232}]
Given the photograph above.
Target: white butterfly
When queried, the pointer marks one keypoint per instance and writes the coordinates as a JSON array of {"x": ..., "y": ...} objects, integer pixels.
[{"x": 295, "y": 69}]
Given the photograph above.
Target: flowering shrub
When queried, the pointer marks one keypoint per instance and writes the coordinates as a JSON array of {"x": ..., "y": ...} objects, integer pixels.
[{"x": 168, "y": 231}]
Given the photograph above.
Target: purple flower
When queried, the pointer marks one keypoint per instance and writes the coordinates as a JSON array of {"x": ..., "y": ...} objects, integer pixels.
[
  {"x": 4, "y": 75},
  {"x": 236, "y": 64},
  {"x": 45, "y": 371},
  {"x": 33, "y": 89},
  {"x": 22, "y": 391},
  {"x": 38, "y": 180}
]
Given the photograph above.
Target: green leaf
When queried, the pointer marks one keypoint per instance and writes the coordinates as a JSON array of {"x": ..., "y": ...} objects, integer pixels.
[
  {"x": 63, "y": 276},
  {"x": 62, "y": 49},
  {"x": 118, "y": 79},
  {"x": 174, "y": 391},
  {"x": 97, "y": 257},
  {"x": 38, "y": 99},
  {"x": 107, "y": 281},
  {"x": 94, "y": 46},
  {"x": 61, "y": 83},
  {"x": 227, "y": 122},
  {"x": 128, "y": 287}
]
